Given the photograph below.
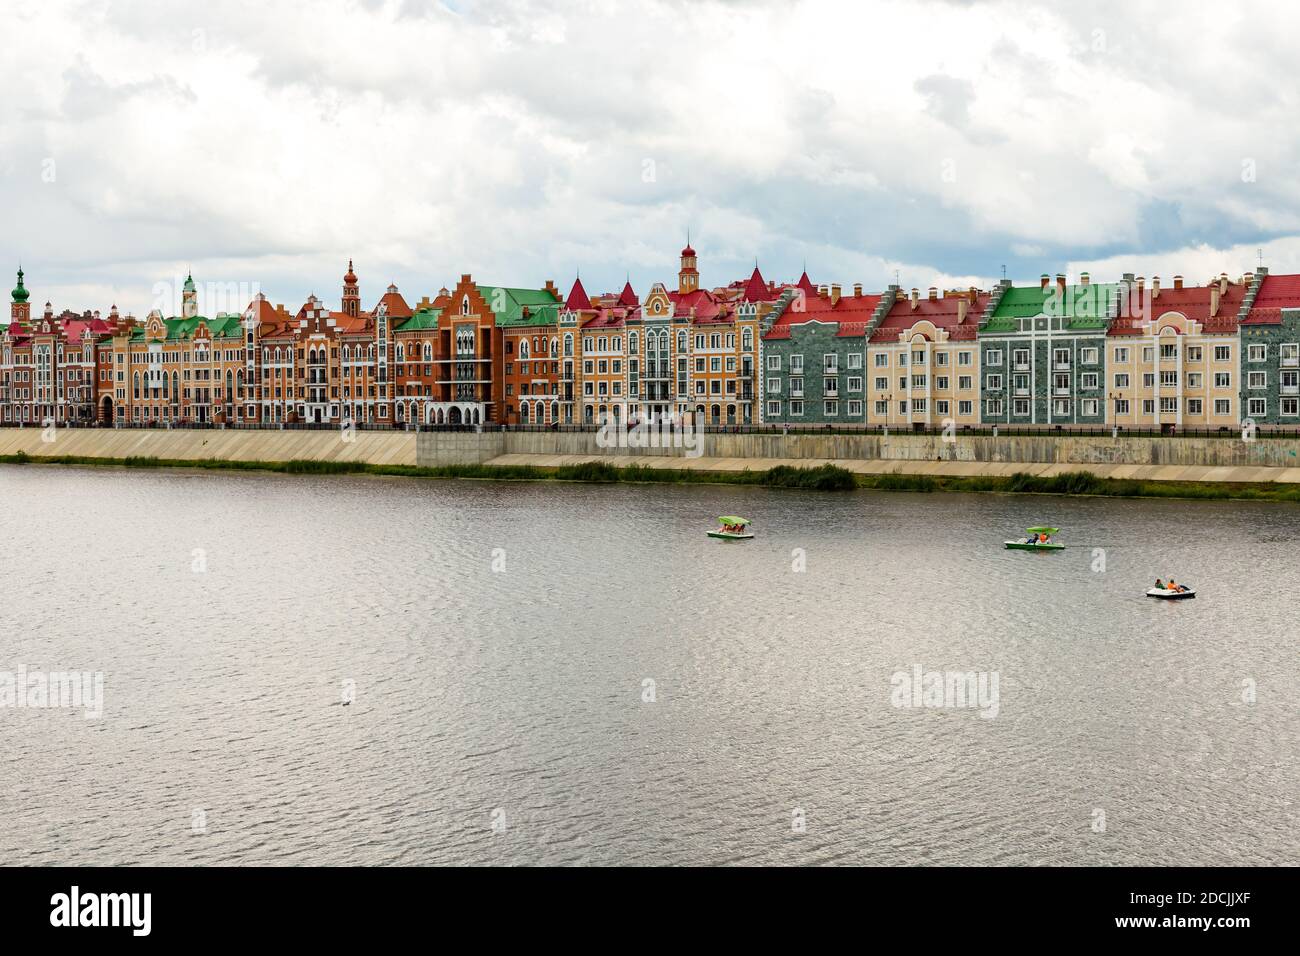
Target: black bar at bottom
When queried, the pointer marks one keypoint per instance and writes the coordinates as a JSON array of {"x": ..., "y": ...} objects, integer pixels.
[{"x": 923, "y": 907}]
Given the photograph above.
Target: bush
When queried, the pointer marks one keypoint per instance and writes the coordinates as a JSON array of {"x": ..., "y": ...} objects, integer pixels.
[
  {"x": 588, "y": 471},
  {"x": 822, "y": 478}
]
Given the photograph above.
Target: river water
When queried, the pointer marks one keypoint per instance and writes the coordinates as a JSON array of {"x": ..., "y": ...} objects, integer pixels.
[{"x": 545, "y": 673}]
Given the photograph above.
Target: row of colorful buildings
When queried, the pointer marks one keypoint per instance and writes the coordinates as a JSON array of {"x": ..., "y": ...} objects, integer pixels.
[{"x": 1057, "y": 354}]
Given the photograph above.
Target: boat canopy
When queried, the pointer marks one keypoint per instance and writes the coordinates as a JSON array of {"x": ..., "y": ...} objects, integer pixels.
[
  {"x": 732, "y": 519},
  {"x": 1042, "y": 530}
]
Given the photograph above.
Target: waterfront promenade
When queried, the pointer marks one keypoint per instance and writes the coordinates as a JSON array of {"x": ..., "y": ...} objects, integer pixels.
[{"x": 1228, "y": 459}]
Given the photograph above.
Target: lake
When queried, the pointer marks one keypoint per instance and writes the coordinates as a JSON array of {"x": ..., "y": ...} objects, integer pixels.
[{"x": 363, "y": 670}]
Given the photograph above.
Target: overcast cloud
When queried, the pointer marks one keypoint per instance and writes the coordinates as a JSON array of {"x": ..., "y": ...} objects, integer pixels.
[{"x": 267, "y": 143}]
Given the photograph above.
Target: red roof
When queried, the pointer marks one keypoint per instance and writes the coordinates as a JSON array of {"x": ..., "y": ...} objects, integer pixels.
[
  {"x": 627, "y": 298},
  {"x": 942, "y": 311},
  {"x": 1190, "y": 301},
  {"x": 607, "y": 319},
  {"x": 851, "y": 314},
  {"x": 578, "y": 298},
  {"x": 396, "y": 305},
  {"x": 756, "y": 289},
  {"x": 1275, "y": 294},
  {"x": 705, "y": 303}
]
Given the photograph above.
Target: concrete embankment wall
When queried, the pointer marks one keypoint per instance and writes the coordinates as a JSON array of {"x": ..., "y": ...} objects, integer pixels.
[
  {"x": 1169, "y": 459},
  {"x": 1089, "y": 450},
  {"x": 387, "y": 448}
]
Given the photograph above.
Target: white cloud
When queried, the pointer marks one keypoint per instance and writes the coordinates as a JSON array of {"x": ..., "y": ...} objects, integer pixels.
[{"x": 269, "y": 143}]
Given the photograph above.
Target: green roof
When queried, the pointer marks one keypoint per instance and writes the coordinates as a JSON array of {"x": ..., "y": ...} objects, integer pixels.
[
  {"x": 420, "y": 320},
  {"x": 20, "y": 292},
  {"x": 543, "y": 307},
  {"x": 1083, "y": 305},
  {"x": 221, "y": 327}
]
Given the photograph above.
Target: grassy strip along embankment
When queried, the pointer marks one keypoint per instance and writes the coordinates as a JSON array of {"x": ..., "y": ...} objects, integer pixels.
[{"x": 821, "y": 478}]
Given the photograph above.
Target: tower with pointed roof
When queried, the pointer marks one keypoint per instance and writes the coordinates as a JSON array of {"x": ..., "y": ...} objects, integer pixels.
[
  {"x": 189, "y": 298},
  {"x": 351, "y": 293},
  {"x": 20, "y": 310},
  {"x": 578, "y": 299},
  {"x": 688, "y": 278}
]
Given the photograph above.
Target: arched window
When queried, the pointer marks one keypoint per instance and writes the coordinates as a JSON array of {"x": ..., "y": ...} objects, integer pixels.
[
  {"x": 136, "y": 385},
  {"x": 568, "y": 344},
  {"x": 464, "y": 305},
  {"x": 681, "y": 341},
  {"x": 631, "y": 343},
  {"x": 747, "y": 339},
  {"x": 523, "y": 348},
  {"x": 523, "y": 412},
  {"x": 428, "y": 352}
]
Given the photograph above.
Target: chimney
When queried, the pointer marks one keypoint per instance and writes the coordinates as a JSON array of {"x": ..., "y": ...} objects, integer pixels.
[
  {"x": 916, "y": 297},
  {"x": 1060, "y": 280},
  {"x": 835, "y": 292},
  {"x": 550, "y": 287},
  {"x": 822, "y": 291},
  {"x": 962, "y": 305},
  {"x": 1155, "y": 287},
  {"x": 1223, "y": 282},
  {"x": 1142, "y": 284},
  {"x": 1084, "y": 278},
  {"x": 1042, "y": 282},
  {"x": 1178, "y": 282},
  {"x": 1214, "y": 300},
  {"x": 934, "y": 294},
  {"x": 857, "y": 290}
]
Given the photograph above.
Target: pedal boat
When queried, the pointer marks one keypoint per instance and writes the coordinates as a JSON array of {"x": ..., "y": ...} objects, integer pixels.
[
  {"x": 721, "y": 532},
  {"x": 1035, "y": 546}
]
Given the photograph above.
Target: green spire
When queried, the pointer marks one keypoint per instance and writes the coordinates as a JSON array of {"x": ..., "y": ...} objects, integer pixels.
[
  {"x": 189, "y": 282},
  {"x": 20, "y": 294}
]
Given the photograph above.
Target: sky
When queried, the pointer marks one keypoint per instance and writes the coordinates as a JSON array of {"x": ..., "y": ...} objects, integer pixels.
[{"x": 262, "y": 145}]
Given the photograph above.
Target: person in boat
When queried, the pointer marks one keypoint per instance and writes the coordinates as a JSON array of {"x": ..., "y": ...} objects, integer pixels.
[
  {"x": 1160, "y": 585},
  {"x": 1031, "y": 539},
  {"x": 1175, "y": 587}
]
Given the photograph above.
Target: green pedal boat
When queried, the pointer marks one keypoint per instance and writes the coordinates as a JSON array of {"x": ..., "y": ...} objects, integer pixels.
[
  {"x": 1048, "y": 545},
  {"x": 732, "y": 528}
]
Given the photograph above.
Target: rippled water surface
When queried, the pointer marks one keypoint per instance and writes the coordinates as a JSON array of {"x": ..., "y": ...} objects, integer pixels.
[{"x": 499, "y": 637}]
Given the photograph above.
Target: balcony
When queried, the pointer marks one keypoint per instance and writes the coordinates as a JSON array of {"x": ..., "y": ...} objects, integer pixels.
[
  {"x": 1291, "y": 389},
  {"x": 1020, "y": 366},
  {"x": 1060, "y": 366},
  {"x": 1061, "y": 391}
]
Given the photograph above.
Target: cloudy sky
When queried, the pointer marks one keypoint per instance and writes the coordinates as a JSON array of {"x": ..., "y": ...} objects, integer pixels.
[{"x": 264, "y": 144}]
